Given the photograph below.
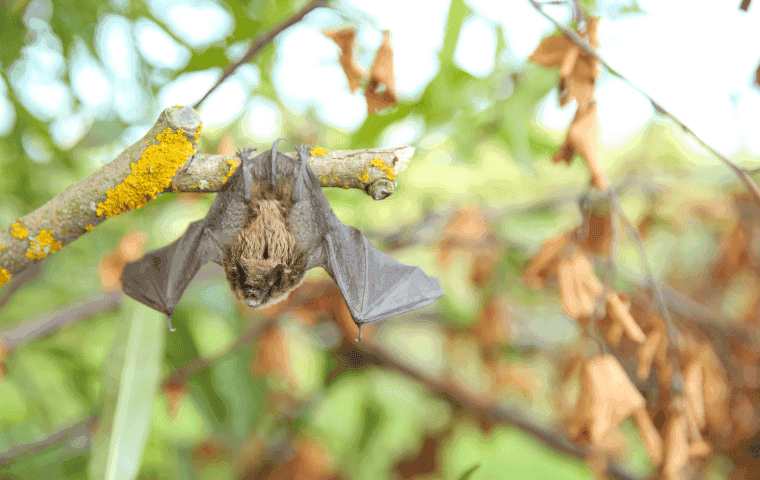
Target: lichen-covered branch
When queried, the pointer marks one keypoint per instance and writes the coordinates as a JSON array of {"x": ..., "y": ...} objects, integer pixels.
[
  {"x": 371, "y": 170},
  {"x": 166, "y": 160}
]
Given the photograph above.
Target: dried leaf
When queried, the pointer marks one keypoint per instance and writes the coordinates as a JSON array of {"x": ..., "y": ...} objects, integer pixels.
[
  {"x": 586, "y": 274},
  {"x": 423, "y": 463},
  {"x": 311, "y": 461},
  {"x": 174, "y": 388},
  {"x": 345, "y": 39},
  {"x": 551, "y": 51},
  {"x": 646, "y": 354},
  {"x": 382, "y": 74},
  {"x": 693, "y": 387},
  {"x": 619, "y": 313},
  {"x": 599, "y": 233},
  {"x": 130, "y": 248},
  {"x": 545, "y": 263},
  {"x": 607, "y": 397},
  {"x": 652, "y": 440},
  {"x": 569, "y": 289},
  {"x": 583, "y": 138},
  {"x": 733, "y": 258},
  {"x": 676, "y": 448}
]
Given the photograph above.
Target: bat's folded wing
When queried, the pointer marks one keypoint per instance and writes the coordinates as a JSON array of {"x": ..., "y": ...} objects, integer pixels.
[
  {"x": 374, "y": 285},
  {"x": 159, "y": 278}
]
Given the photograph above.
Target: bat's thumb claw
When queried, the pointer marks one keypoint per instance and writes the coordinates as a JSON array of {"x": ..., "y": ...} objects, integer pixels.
[
  {"x": 360, "y": 334},
  {"x": 169, "y": 325}
]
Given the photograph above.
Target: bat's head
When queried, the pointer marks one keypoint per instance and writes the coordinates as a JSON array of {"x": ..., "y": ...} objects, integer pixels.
[
  {"x": 260, "y": 282},
  {"x": 264, "y": 264}
]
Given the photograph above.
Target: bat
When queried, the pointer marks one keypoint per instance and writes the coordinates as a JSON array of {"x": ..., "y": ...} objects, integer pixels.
[{"x": 267, "y": 226}]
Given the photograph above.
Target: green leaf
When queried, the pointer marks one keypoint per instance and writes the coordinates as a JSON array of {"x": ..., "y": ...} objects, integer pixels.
[
  {"x": 133, "y": 372},
  {"x": 468, "y": 473}
]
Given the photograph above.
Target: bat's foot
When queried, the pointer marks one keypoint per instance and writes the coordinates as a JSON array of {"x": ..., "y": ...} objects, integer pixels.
[{"x": 245, "y": 153}]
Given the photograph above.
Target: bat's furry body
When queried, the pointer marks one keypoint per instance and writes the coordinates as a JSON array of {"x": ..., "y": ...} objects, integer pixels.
[{"x": 268, "y": 225}]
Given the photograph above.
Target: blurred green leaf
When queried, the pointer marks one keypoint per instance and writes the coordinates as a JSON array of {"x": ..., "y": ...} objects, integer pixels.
[
  {"x": 132, "y": 375},
  {"x": 468, "y": 473}
]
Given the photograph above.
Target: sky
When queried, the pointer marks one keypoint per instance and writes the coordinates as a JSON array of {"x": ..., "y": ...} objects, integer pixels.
[{"x": 697, "y": 58}]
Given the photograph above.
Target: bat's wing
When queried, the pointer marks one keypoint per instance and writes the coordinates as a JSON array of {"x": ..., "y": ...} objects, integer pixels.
[
  {"x": 374, "y": 285},
  {"x": 159, "y": 278}
]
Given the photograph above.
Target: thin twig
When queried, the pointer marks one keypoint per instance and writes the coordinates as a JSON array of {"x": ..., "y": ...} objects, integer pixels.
[
  {"x": 183, "y": 372},
  {"x": 76, "y": 434},
  {"x": 50, "y": 322},
  {"x": 260, "y": 43},
  {"x": 741, "y": 173}
]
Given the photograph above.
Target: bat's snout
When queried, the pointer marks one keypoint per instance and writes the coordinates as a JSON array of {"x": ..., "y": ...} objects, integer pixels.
[{"x": 253, "y": 299}]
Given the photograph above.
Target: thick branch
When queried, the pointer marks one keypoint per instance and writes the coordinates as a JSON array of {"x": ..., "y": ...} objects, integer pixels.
[{"x": 154, "y": 165}]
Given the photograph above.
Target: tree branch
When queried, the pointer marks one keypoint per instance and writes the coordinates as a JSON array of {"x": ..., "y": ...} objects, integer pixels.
[
  {"x": 152, "y": 166},
  {"x": 47, "y": 323},
  {"x": 262, "y": 41},
  {"x": 77, "y": 435},
  {"x": 357, "y": 355}
]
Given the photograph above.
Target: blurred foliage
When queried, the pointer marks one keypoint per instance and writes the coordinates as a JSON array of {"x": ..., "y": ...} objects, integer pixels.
[{"x": 243, "y": 416}]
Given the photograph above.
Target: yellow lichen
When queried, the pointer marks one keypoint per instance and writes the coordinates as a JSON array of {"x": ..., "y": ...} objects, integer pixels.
[
  {"x": 198, "y": 131},
  {"x": 365, "y": 177},
  {"x": 151, "y": 175},
  {"x": 18, "y": 231},
  {"x": 324, "y": 179},
  {"x": 4, "y": 276},
  {"x": 178, "y": 106},
  {"x": 89, "y": 227},
  {"x": 388, "y": 169},
  {"x": 233, "y": 166},
  {"x": 318, "y": 151},
  {"x": 42, "y": 245}
]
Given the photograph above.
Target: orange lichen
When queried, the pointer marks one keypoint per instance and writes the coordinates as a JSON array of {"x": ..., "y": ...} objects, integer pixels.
[
  {"x": 4, "y": 276},
  {"x": 42, "y": 245},
  {"x": 151, "y": 175},
  {"x": 89, "y": 227},
  {"x": 388, "y": 169},
  {"x": 18, "y": 231},
  {"x": 318, "y": 151}
]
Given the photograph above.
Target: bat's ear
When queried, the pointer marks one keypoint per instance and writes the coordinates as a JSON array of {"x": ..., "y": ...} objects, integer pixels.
[{"x": 275, "y": 277}]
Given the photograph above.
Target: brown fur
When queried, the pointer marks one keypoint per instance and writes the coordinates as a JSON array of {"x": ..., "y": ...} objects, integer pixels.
[{"x": 261, "y": 245}]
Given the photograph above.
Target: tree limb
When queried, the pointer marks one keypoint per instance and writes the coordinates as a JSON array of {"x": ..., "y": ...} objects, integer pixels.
[{"x": 154, "y": 165}]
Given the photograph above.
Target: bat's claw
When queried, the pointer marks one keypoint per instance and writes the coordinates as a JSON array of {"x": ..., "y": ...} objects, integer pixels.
[
  {"x": 245, "y": 153},
  {"x": 360, "y": 333},
  {"x": 169, "y": 324}
]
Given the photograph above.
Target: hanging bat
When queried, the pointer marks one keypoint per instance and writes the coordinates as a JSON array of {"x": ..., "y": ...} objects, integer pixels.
[{"x": 268, "y": 225}]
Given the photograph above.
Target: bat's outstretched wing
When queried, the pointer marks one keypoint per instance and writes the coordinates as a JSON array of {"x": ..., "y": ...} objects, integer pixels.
[
  {"x": 375, "y": 285},
  {"x": 159, "y": 278}
]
